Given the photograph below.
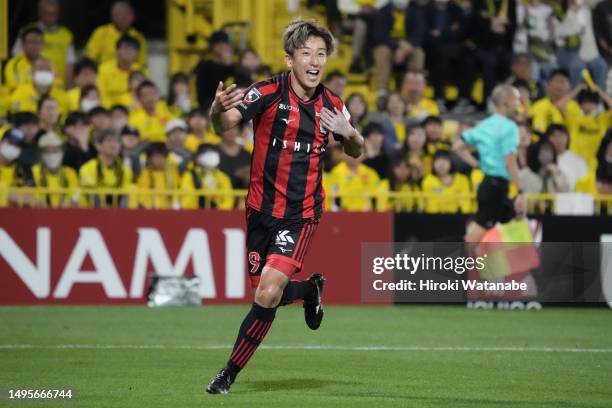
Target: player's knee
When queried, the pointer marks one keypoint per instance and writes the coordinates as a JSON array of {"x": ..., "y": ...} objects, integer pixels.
[{"x": 268, "y": 296}]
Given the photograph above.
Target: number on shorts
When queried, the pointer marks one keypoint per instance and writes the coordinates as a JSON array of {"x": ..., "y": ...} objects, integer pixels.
[{"x": 254, "y": 261}]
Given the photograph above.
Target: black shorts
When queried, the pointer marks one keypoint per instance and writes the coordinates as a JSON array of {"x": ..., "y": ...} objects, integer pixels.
[
  {"x": 276, "y": 242},
  {"x": 493, "y": 203}
]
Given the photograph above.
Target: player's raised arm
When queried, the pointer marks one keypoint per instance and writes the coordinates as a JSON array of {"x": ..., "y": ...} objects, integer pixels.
[
  {"x": 223, "y": 112},
  {"x": 337, "y": 123}
]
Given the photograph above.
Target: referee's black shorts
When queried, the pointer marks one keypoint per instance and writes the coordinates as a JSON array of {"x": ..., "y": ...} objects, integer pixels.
[{"x": 493, "y": 203}]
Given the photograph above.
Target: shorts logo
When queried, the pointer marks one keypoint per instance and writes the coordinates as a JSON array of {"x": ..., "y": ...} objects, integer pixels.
[
  {"x": 252, "y": 96},
  {"x": 282, "y": 238}
]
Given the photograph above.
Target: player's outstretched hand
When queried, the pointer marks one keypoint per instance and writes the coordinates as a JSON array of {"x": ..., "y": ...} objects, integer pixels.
[
  {"x": 336, "y": 122},
  {"x": 226, "y": 99}
]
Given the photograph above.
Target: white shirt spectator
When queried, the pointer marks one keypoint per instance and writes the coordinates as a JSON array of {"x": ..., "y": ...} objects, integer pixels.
[
  {"x": 532, "y": 21},
  {"x": 573, "y": 167}
]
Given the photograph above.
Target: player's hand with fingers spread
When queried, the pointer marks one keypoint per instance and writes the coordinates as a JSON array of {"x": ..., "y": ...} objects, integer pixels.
[
  {"x": 226, "y": 99},
  {"x": 336, "y": 122}
]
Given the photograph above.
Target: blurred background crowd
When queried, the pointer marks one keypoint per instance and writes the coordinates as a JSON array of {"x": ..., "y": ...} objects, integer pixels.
[{"x": 96, "y": 125}]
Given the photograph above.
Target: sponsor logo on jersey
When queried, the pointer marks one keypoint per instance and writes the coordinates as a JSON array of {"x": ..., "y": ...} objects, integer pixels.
[{"x": 283, "y": 106}]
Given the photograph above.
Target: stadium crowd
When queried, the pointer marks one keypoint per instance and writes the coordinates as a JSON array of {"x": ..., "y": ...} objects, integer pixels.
[{"x": 92, "y": 119}]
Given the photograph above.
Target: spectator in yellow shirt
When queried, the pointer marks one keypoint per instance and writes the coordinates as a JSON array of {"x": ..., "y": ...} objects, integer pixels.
[
  {"x": 176, "y": 134},
  {"x": 48, "y": 114},
  {"x": 434, "y": 135},
  {"x": 106, "y": 171},
  {"x": 26, "y": 97},
  {"x": 152, "y": 117},
  {"x": 18, "y": 70},
  {"x": 198, "y": 125},
  {"x": 113, "y": 78},
  {"x": 58, "y": 41},
  {"x": 130, "y": 100},
  {"x": 209, "y": 186},
  {"x": 396, "y": 112},
  {"x": 4, "y": 102},
  {"x": 50, "y": 174},
  {"x": 555, "y": 107},
  {"x": 413, "y": 92},
  {"x": 588, "y": 126},
  {"x": 85, "y": 74},
  {"x": 404, "y": 180},
  {"x": 354, "y": 184},
  {"x": 415, "y": 151},
  {"x": 448, "y": 190},
  {"x": 101, "y": 44},
  {"x": 158, "y": 180}
]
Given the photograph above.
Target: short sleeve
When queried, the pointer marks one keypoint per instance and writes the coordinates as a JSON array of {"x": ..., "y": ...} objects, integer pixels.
[
  {"x": 256, "y": 99},
  {"x": 469, "y": 136},
  {"x": 511, "y": 140}
]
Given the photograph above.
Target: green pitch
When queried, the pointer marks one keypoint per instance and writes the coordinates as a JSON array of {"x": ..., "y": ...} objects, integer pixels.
[{"x": 413, "y": 356}]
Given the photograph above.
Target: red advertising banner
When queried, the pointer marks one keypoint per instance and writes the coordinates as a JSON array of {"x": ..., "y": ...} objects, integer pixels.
[{"x": 80, "y": 256}]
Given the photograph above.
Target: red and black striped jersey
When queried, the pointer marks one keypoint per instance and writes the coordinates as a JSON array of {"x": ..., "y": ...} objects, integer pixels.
[{"x": 289, "y": 141}]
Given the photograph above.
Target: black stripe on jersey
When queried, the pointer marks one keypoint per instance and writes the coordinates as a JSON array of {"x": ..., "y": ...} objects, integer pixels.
[
  {"x": 300, "y": 161},
  {"x": 271, "y": 165},
  {"x": 318, "y": 194}
]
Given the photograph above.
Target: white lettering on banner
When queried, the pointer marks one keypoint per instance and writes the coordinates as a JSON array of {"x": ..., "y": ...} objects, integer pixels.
[
  {"x": 36, "y": 277},
  {"x": 90, "y": 243},
  {"x": 195, "y": 247},
  {"x": 150, "y": 247},
  {"x": 234, "y": 263}
]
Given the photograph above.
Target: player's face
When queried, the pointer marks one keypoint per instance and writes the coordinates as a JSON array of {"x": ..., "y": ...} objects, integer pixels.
[{"x": 308, "y": 63}]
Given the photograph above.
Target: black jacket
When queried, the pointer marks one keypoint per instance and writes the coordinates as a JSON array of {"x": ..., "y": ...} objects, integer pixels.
[
  {"x": 483, "y": 36},
  {"x": 414, "y": 25}
]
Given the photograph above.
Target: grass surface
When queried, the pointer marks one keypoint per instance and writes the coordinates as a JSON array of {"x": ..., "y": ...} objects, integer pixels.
[{"x": 432, "y": 356}]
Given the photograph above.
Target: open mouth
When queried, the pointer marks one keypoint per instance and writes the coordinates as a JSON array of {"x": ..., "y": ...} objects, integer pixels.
[{"x": 312, "y": 73}]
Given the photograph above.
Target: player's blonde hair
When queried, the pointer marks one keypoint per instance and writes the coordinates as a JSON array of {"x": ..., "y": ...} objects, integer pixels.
[{"x": 298, "y": 31}]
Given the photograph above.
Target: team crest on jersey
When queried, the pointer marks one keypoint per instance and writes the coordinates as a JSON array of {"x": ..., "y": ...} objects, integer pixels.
[{"x": 252, "y": 96}]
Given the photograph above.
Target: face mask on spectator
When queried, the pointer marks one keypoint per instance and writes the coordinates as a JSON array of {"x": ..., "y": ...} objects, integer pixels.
[
  {"x": 89, "y": 104},
  {"x": 9, "y": 151},
  {"x": 43, "y": 78},
  {"x": 209, "y": 160},
  {"x": 183, "y": 102},
  {"x": 53, "y": 160},
  {"x": 120, "y": 124}
]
